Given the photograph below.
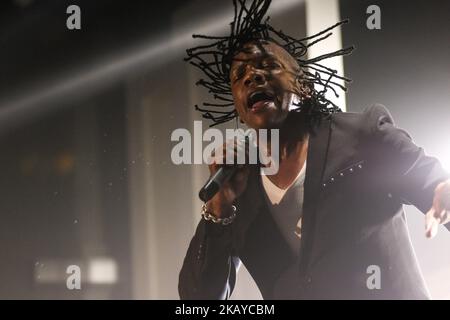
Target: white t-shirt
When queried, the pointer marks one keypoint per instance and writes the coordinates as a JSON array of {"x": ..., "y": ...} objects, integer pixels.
[{"x": 286, "y": 206}]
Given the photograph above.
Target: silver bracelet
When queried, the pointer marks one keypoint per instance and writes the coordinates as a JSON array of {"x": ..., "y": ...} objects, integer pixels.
[{"x": 208, "y": 216}]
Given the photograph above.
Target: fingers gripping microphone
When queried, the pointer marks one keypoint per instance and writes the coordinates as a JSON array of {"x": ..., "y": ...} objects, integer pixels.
[{"x": 213, "y": 185}]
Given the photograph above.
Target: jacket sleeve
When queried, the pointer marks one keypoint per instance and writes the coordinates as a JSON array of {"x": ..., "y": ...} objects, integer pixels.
[
  {"x": 411, "y": 175},
  {"x": 209, "y": 268}
]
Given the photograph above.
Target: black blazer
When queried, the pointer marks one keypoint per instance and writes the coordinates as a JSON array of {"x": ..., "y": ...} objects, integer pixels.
[{"x": 360, "y": 171}]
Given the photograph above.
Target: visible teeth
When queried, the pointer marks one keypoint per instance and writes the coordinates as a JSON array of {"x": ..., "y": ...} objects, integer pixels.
[{"x": 258, "y": 96}]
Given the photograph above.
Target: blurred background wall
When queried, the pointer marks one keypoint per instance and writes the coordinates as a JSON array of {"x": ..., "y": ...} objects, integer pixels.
[{"x": 86, "y": 118}]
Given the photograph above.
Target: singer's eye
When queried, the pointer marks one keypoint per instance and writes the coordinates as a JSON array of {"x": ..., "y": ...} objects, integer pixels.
[
  {"x": 239, "y": 73},
  {"x": 271, "y": 65}
]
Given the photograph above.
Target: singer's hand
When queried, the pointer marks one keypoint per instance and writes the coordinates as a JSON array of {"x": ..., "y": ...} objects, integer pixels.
[
  {"x": 439, "y": 211},
  {"x": 222, "y": 201}
]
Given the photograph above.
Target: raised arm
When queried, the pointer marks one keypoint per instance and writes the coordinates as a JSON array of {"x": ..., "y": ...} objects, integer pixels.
[
  {"x": 210, "y": 266},
  {"x": 413, "y": 176}
]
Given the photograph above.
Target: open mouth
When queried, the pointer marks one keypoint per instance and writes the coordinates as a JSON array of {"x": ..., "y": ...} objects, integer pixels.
[{"x": 259, "y": 99}]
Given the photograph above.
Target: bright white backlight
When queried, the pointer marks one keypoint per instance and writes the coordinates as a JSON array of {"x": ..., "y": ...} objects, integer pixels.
[{"x": 102, "y": 271}]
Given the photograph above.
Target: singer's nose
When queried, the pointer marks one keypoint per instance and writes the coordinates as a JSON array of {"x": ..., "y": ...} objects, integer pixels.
[{"x": 256, "y": 77}]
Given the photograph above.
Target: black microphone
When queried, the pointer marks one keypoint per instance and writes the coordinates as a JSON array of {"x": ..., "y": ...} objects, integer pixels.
[{"x": 213, "y": 185}]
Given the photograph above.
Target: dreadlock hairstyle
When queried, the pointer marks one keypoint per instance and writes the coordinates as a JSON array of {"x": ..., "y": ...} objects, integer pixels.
[{"x": 214, "y": 60}]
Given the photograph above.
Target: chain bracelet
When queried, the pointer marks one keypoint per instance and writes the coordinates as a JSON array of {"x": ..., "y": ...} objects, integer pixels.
[{"x": 208, "y": 216}]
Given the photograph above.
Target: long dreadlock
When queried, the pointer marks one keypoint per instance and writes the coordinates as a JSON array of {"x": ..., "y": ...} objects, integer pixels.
[{"x": 215, "y": 59}]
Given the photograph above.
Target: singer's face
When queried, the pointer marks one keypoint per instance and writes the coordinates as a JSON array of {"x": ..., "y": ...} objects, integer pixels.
[{"x": 263, "y": 77}]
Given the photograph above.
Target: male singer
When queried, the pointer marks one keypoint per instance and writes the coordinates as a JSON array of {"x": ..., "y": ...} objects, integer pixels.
[{"x": 330, "y": 223}]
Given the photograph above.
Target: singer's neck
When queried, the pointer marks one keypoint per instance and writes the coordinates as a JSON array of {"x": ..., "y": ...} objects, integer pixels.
[
  {"x": 293, "y": 135},
  {"x": 293, "y": 154}
]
